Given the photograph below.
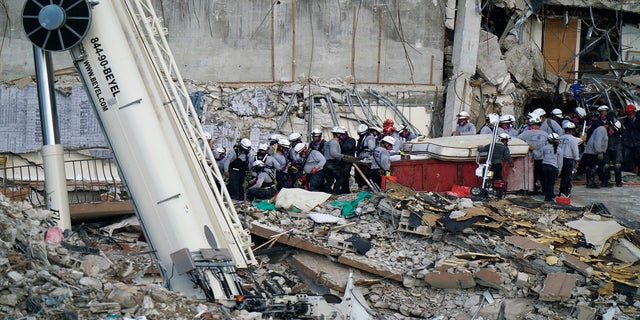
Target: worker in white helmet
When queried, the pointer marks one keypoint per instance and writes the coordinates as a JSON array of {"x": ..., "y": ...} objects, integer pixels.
[
  {"x": 463, "y": 126},
  {"x": 381, "y": 160}
]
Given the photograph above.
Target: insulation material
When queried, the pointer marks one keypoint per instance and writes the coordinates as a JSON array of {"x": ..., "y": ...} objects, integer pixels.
[{"x": 596, "y": 232}]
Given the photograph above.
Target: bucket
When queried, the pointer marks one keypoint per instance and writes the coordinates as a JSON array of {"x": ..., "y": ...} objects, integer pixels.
[{"x": 383, "y": 184}]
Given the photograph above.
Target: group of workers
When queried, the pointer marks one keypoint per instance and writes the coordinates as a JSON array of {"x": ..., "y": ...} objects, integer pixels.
[
  {"x": 606, "y": 143},
  {"x": 317, "y": 165}
]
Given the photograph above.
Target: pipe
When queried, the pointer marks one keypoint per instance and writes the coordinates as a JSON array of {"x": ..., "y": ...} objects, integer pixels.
[{"x": 52, "y": 152}]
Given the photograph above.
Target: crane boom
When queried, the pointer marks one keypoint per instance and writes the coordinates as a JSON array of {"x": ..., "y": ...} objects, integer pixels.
[{"x": 153, "y": 130}]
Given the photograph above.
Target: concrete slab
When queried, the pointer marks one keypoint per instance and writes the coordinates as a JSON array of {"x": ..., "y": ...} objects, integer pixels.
[{"x": 622, "y": 202}]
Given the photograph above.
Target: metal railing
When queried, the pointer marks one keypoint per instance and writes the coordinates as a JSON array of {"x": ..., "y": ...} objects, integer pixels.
[{"x": 88, "y": 180}]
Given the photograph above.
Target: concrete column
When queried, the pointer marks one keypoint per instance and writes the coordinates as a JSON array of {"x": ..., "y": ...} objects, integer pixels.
[{"x": 464, "y": 59}]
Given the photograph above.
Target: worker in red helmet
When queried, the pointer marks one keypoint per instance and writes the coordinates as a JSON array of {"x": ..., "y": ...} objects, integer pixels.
[
  {"x": 387, "y": 123},
  {"x": 631, "y": 140}
]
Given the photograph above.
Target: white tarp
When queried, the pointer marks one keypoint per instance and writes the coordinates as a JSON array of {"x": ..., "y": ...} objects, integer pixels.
[{"x": 299, "y": 198}]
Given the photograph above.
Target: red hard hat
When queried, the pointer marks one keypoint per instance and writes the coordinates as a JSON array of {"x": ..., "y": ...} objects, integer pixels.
[
  {"x": 629, "y": 108},
  {"x": 387, "y": 122}
]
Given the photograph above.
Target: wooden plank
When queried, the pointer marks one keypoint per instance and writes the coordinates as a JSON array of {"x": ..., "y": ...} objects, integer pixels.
[
  {"x": 290, "y": 240},
  {"x": 96, "y": 210}
]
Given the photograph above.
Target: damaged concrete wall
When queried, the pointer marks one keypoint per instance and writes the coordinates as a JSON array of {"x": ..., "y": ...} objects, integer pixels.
[{"x": 257, "y": 41}]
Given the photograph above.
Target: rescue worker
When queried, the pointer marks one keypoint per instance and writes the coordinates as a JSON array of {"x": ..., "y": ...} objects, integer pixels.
[
  {"x": 262, "y": 154},
  {"x": 491, "y": 121},
  {"x": 317, "y": 143},
  {"x": 348, "y": 149},
  {"x": 507, "y": 123},
  {"x": 334, "y": 170},
  {"x": 405, "y": 134},
  {"x": 548, "y": 125},
  {"x": 312, "y": 166},
  {"x": 281, "y": 155},
  {"x": 571, "y": 155},
  {"x": 240, "y": 158},
  {"x": 595, "y": 148},
  {"x": 631, "y": 140},
  {"x": 392, "y": 132},
  {"x": 387, "y": 123},
  {"x": 603, "y": 111},
  {"x": 262, "y": 186},
  {"x": 613, "y": 155},
  {"x": 220, "y": 155},
  {"x": 463, "y": 126},
  {"x": 552, "y": 160},
  {"x": 273, "y": 141},
  {"x": 381, "y": 161},
  {"x": 295, "y": 163},
  {"x": 500, "y": 154},
  {"x": 363, "y": 152},
  {"x": 536, "y": 139}
]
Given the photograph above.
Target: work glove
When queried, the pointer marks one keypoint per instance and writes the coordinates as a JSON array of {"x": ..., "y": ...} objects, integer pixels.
[
  {"x": 387, "y": 173},
  {"x": 531, "y": 148},
  {"x": 600, "y": 156},
  {"x": 314, "y": 170},
  {"x": 513, "y": 170},
  {"x": 293, "y": 169}
]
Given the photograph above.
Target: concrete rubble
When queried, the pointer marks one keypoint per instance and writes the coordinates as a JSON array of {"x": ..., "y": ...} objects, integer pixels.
[{"x": 495, "y": 259}]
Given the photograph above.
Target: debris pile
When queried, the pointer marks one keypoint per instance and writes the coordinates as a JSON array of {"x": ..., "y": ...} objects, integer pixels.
[
  {"x": 513, "y": 256},
  {"x": 413, "y": 255},
  {"x": 48, "y": 275}
]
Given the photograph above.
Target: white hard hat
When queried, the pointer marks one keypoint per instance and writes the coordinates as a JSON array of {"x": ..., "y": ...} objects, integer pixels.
[
  {"x": 556, "y": 112},
  {"x": 263, "y": 146},
  {"x": 581, "y": 112},
  {"x": 300, "y": 147},
  {"x": 617, "y": 125},
  {"x": 603, "y": 108},
  {"x": 221, "y": 150},
  {"x": 493, "y": 118},
  {"x": 257, "y": 163},
  {"x": 504, "y": 136},
  {"x": 540, "y": 112},
  {"x": 505, "y": 118},
  {"x": 463, "y": 115},
  {"x": 553, "y": 136},
  {"x": 295, "y": 136},
  {"x": 534, "y": 118},
  {"x": 338, "y": 129},
  {"x": 568, "y": 125},
  {"x": 377, "y": 129},
  {"x": 275, "y": 137},
  {"x": 389, "y": 139},
  {"x": 362, "y": 128},
  {"x": 284, "y": 143},
  {"x": 316, "y": 132},
  {"x": 401, "y": 128},
  {"x": 245, "y": 143},
  {"x": 207, "y": 135}
]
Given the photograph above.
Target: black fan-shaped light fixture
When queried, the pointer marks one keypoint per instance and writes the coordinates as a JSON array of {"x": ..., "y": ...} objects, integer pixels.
[{"x": 56, "y": 25}]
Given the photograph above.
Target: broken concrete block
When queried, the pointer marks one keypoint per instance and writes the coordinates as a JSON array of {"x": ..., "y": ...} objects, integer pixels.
[
  {"x": 585, "y": 312},
  {"x": 576, "y": 264},
  {"x": 517, "y": 308},
  {"x": 522, "y": 280},
  {"x": 488, "y": 278},
  {"x": 450, "y": 280},
  {"x": 527, "y": 244},
  {"x": 558, "y": 287},
  {"x": 626, "y": 251}
]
